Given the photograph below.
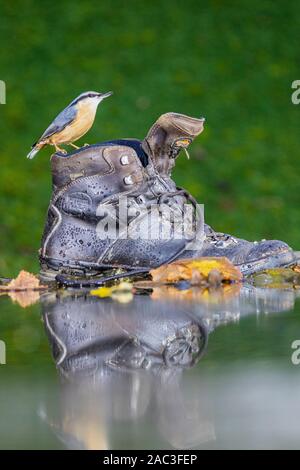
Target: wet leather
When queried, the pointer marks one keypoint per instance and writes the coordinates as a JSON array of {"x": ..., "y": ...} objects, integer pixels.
[
  {"x": 93, "y": 176},
  {"x": 160, "y": 142}
]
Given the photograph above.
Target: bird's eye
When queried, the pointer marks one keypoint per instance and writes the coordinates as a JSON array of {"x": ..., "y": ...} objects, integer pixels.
[{"x": 90, "y": 95}]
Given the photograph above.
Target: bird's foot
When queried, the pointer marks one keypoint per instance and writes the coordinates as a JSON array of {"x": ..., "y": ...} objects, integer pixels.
[
  {"x": 86, "y": 145},
  {"x": 74, "y": 146},
  {"x": 60, "y": 150}
]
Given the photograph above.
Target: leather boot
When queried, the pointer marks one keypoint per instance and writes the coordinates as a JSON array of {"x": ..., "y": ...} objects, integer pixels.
[{"x": 96, "y": 177}]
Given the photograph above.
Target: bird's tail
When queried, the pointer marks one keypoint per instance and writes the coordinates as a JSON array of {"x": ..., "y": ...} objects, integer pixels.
[{"x": 34, "y": 150}]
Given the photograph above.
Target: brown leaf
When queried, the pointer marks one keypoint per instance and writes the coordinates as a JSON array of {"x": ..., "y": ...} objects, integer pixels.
[
  {"x": 206, "y": 267},
  {"x": 23, "y": 282}
]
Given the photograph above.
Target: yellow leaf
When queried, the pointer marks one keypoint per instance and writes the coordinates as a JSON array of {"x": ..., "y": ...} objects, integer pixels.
[{"x": 186, "y": 269}]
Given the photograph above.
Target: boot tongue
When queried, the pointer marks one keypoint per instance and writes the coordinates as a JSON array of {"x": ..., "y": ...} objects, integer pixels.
[{"x": 168, "y": 135}]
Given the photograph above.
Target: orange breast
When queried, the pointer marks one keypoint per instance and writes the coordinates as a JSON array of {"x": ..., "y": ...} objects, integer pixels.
[{"x": 80, "y": 126}]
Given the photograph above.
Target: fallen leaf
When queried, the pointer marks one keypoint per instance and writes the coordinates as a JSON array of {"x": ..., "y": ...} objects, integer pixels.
[
  {"x": 215, "y": 270},
  {"x": 23, "y": 282}
]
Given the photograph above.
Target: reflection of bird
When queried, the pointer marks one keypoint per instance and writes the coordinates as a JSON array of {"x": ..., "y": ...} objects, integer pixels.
[{"x": 72, "y": 123}]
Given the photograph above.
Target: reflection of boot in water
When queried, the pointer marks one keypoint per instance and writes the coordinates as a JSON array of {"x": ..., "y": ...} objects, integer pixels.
[
  {"x": 87, "y": 332},
  {"x": 112, "y": 358},
  {"x": 122, "y": 364},
  {"x": 225, "y": 305},
  {"x": 266, "y": 300},
  {"x": 184, "y": 409}
]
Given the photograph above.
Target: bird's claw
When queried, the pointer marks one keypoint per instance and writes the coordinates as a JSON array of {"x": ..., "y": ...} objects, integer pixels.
[{"x": 62, "y": 151}]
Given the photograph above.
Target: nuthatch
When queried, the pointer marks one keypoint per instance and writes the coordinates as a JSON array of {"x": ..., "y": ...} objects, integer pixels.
[{"x": 72, "y": 123}]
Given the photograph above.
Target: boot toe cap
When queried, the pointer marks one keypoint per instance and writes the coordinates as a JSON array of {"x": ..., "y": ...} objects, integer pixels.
[
  {"x": 267, "y": 248},
  {"x": 267, "y": 254}
]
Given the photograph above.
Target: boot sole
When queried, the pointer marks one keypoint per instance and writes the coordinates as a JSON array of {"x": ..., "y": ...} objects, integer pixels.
[{"x": 49, "y": 272}]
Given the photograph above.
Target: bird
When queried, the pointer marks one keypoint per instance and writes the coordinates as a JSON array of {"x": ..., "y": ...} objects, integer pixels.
[{"x": 72, "y": 123}]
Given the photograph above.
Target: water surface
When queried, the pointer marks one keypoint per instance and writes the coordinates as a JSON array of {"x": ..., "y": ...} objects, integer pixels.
[{"x": 174, "y": 369}]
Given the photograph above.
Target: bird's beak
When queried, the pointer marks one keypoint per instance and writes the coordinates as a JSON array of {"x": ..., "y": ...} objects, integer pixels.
[{"x": 106, "y": 95}]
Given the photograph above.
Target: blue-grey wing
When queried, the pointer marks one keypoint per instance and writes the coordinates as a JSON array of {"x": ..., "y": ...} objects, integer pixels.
[{"x": 60, "y": 122}]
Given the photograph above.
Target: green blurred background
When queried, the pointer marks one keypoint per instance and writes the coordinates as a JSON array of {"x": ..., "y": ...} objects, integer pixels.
[{"x": 230, "y": 61}]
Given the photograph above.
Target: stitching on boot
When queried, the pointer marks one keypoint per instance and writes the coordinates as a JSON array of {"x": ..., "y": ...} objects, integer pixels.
[
  {"x": 54, "y": 228},
  {"x": 112, "y": 169}
]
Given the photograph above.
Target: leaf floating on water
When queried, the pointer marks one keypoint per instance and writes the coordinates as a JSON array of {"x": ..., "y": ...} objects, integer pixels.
[
  {"x": 23, "y": 282},
  {"x": 211, "y": 271},
  {"x": 122, "y": 292}
]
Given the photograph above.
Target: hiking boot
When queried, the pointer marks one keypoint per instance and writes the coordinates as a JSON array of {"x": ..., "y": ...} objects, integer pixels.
[{"x": 90, "y": 186}]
